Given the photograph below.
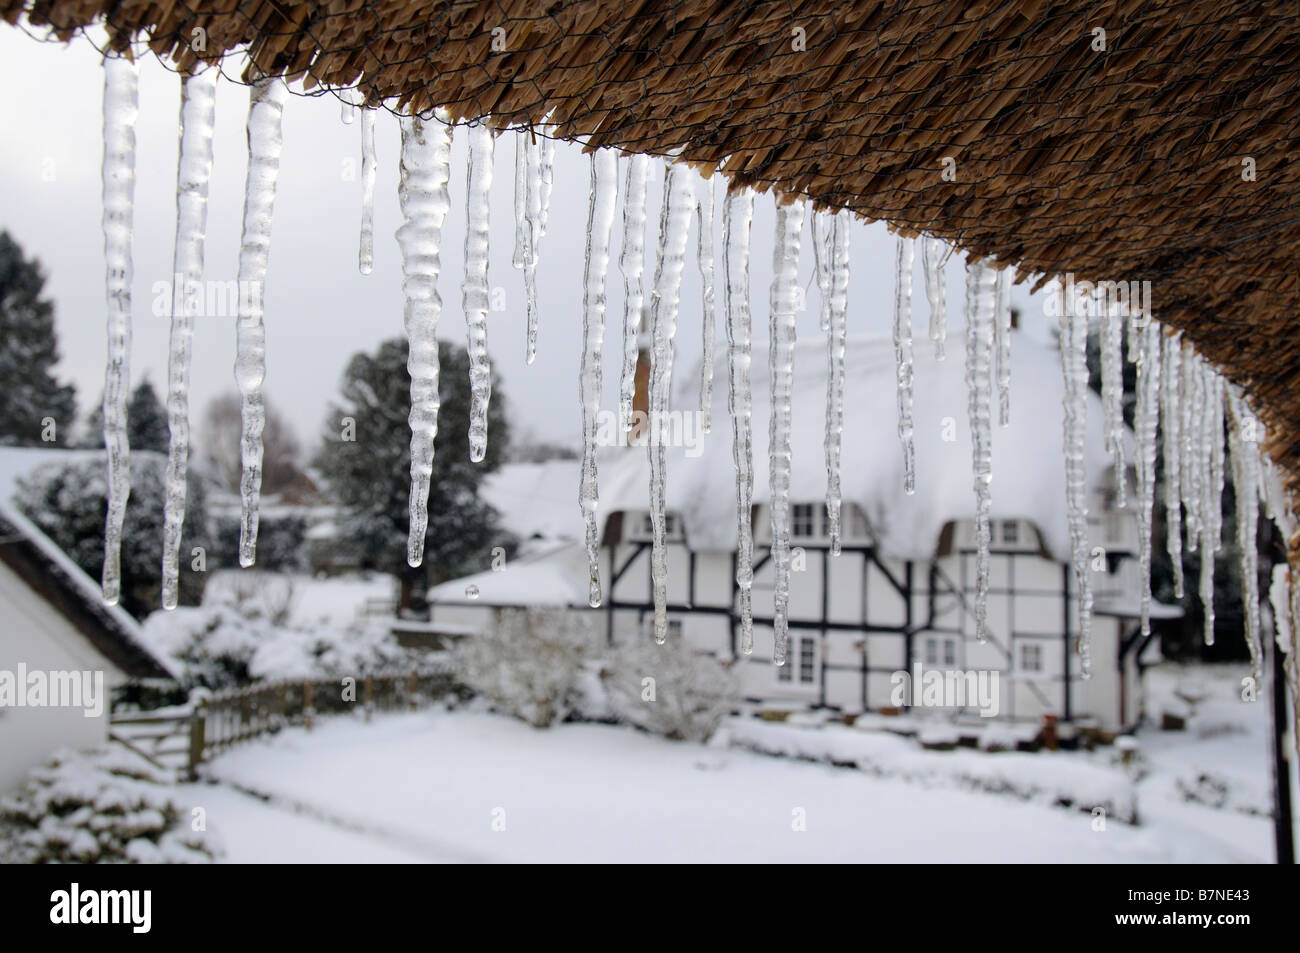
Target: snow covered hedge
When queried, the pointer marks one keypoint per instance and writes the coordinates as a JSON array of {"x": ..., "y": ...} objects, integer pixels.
[
  {"x": 529, "y": 663},
  {"x": 106, "y": 805},
  {"x": 247, "y": 633},
  {"x": 670, "y": 689},
  {"x": 548, "y": 665}
]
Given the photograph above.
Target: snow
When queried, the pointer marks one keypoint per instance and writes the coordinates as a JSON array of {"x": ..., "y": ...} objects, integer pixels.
[
  {"x": 906, "y": 527},
  {"x": 550, "y": 577},
  {"x": 431, "y": 784},
  {"x": 534, "y": 500},
  {"x": 332, "y": 601}
]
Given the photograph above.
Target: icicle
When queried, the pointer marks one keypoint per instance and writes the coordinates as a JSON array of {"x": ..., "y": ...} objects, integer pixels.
[
  {"x": 934, "y": 256},
  {"x": 545, "y": 179},
  {"x": 474, "y": 287},
  {"x": 425, "y": 170},
  {"x": 1002, "y": 339},
  {"x": 674, "y": 223},
  {"x": 737, "y": 216},
  {"x": 1171, "y": 443},
  {"x": 600, "y": 216},
  {"x": 835, "y": 340},
  {"x": 1245, "y": 480},
  {"x": 781, "y": 336},
  {"x": 631, "y": 264},
  {"x": 1211, "y": 491},
  {"x": 193, "y": 170},
  {"x": 266, "y": 101},
  {"x": 1074, "y": 347},
  {"x": 366, "y": 251},
  {"x": 1191, "y": 464},
  {"x": 1147, "y": 417},
  {"x": 903, "y": 356},
  {"x": 822, "y": 225},
  {"x": 348, "y": 105},
  {"x": 981, "y": 303},
  {"x": 121, "y": 106},
  {"x": 528, "y": 226},
  {"x": 704, "y": 256},
  {"x": 1111, "y": 341}
]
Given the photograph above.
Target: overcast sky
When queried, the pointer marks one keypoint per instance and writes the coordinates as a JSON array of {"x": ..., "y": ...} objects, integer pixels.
[{"x": 319, "y": 309}]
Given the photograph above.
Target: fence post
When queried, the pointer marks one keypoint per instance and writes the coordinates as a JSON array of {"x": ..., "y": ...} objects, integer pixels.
[
  {"x": 412, "y": 684},
  {"x": 369, "y": 695},
  {"x": 306, "y": 703},
  {"x": 198, "y": 735}
]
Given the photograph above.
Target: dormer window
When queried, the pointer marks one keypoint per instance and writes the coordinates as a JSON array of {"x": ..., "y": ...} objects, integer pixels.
[
  {"x": 1011, "y": 532},
  {"x": 671, "y": 526},
  {"x": 804, "y": 521}
]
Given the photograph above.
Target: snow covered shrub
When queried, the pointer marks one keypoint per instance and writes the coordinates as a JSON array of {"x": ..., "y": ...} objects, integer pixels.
[
  {"x": 107, "y": 805},
  {"x": 281, "y": 542},
  {"x": 528, "y": 664},
  {"x": 690, "y": 694},
  {"x": 219, "y": 646}
]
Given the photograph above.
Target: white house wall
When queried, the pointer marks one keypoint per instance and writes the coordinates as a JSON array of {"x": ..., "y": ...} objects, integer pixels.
[{"x": 34, "y": 634}]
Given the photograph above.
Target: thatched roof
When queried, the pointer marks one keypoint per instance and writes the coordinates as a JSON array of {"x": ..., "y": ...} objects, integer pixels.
[{"x": 1120, "y": 163}]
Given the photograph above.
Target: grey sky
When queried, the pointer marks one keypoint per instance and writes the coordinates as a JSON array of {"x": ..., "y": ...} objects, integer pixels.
[{"x": 319, "y": 309}]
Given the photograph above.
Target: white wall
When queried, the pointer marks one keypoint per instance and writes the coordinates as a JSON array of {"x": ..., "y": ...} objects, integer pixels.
[{"x": 33, "y": 633}]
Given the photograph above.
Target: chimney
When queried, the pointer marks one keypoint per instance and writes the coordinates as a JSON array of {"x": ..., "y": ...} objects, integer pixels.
[{"x": 641, "y": 395}]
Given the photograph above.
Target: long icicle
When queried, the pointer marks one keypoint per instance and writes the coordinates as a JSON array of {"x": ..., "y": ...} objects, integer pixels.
[
  {"x": 1211, "y": 491},
  {"x": 474, "y": 287},
  {"x": 903, "y": 356},
  {"x": 934, "y": 256},
  {"x": 423, "y": 194},
  {"x": 704, "y": 257},
  {"x": 781, "y": 337},
  {"x": 193, "y": 171},
  {"x": 674, "y": 223},
  {"x": 1191, "y": 465},
  {"x": 366, "y": 247},
  {"x": 737, "y": 216},
  {"x": 1111, "y": 339},
  {"x": 1147, "y": 421},
  {"x": 1171, "y": 444},
  {"x": 265, "y": 109},
  {"x": 631, "y": 264},
  {"x": 1074, "y": 347},
  {"x": 1002, "y": 340},
  {"x": 600, "y": 217},
  {"x": 528, "y": 227},
  {"x": 981, "y": 303},
  {"x": 121, "y": 107},
  {"x": 1245, "y": 481},
  {"x": 822, "y": 228},
  {"x": 837, "y": 306}
]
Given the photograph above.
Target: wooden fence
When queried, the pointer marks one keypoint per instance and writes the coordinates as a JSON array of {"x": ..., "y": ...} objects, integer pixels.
[{"x": 182, "y": 737}]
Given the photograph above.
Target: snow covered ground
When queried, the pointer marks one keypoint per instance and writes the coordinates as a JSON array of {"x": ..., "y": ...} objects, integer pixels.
[{"x": 472, "y": 786}]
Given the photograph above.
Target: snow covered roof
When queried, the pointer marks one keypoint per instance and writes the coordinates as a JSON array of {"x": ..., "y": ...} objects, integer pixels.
[
  {"x": 555, "y": 577},
  {"x": 1028, "y": 463},
  {"x": 112, "y": 631},
  {"x": 536, "y": 499}
]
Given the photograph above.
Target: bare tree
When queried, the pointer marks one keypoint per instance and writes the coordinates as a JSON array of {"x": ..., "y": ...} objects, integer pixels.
[{"x": 220, "y": 436}]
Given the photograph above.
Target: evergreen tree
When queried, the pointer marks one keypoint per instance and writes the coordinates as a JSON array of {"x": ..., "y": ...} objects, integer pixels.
[
  {"x": 146, "y": 421},
  {"x": 28, "y": 353},
  {"x": 366, "y": 459}
]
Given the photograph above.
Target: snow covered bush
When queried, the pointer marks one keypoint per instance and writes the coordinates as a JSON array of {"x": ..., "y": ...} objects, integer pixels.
[
  {"x": 529, "y": 663},
  {"x": 220, "y": 646},
  {"x": 106, "y": 805},
  {"x": 670, "y": 689}
]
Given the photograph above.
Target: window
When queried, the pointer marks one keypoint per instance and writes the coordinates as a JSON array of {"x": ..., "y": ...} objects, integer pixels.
[
  {"x": 1031, "y": 658},
  {"x": 803, "y": 520},
  {"x": 674, "y": 628},
  {"x": 940, "y": 651},
  {"x": 1010, "y": 531},
  {"x": 800, "y": 661}
]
